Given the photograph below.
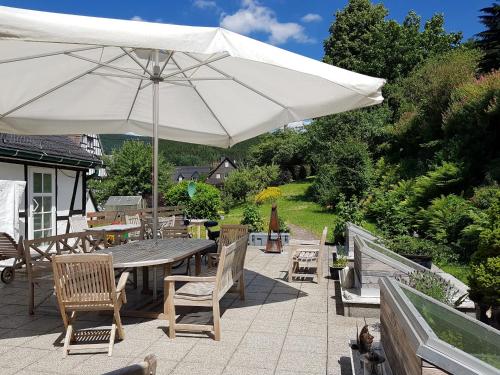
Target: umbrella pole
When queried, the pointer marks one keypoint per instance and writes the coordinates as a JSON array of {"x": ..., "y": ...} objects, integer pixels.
[{"x": 156, "y": 110}]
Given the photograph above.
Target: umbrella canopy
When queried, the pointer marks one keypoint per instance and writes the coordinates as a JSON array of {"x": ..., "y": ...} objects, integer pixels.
[{"x": 67, "y": 74}]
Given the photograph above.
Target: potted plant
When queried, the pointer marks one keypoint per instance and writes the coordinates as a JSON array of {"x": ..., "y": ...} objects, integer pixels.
[{"x": 339, "y": 263}]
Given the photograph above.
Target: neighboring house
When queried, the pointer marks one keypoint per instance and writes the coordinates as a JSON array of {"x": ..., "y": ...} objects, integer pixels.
[
  {"x": 186, "y": 172},
  {"x": 55, "y": 169},
  {"x": 219, "y": 173}
]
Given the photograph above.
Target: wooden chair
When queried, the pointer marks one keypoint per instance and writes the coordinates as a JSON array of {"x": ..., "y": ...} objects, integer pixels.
[
  {"x": 135, "y": 220},
  {"x": 10, "y": 249},
  {"x": 306, "y": 261},
  {"x": 38, "y": 255},
  {"x": 229, "y": 233},
  {"x": 207, "y": 290},
  {"x": 86, "y": 282}
]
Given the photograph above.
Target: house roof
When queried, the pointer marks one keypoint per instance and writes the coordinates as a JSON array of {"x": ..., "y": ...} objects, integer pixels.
[
  {"x": 187, "y": 171},
  {"x": 53, "y": 149},
  {"x": 225, "y": 158}
]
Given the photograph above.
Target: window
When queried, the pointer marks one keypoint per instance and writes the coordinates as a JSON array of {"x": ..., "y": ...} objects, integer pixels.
[
  {"x": 180, "y": 178},
  {"x": 217, "y": 176},
  {"x": 226, "y": 164},
  {"x": 42, "y": 216}
]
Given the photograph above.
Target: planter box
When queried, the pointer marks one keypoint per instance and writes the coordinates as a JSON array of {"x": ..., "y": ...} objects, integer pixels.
[{"x": 260, "y": 238}]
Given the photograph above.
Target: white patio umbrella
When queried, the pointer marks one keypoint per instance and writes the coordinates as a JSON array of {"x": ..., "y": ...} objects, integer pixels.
[{"x": 67, "y": 74}]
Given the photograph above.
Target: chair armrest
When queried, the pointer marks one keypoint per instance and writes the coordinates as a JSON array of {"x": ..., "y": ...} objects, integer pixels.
[
  {"x": 122, "y": 282},
  {"x": 195, "y": 279}
]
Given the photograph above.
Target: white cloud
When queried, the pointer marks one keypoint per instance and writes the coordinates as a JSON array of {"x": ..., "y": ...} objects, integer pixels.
[
  {"x": 312, "y": 17},
  {"x": 205, "y": 4},
  {"x": 137, "y": 18},
  {"x": 254, "y": 17}
]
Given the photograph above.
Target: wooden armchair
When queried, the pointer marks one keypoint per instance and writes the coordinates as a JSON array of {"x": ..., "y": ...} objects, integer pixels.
[
  {"x": 86, "y": 282},
  {"x": 207, "y": 290},
  {"x": 10, "y": 249},
  {"x": 38, "y": 255},
  {"x": 229, "y": 233},
  {"x": 306, "y": 261}
]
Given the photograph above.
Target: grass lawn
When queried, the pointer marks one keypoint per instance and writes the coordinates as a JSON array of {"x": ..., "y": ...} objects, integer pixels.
[
  {"x": 460, "y": 271},
  {"x": 294, "y": 207}
]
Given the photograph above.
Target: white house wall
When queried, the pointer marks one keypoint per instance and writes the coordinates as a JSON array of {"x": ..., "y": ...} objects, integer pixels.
[{"x": 15, "y": 172}]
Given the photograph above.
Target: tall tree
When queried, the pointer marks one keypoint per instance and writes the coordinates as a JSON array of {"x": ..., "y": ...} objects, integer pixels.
[{"x": 489, "y": 39}]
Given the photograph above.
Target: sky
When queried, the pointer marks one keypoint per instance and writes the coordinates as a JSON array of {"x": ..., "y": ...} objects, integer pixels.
[{"x": 296, "y": 25}]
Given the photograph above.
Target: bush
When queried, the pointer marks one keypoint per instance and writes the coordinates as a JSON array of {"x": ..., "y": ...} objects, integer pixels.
[
  {"x": 406, "y": 244},
  {"x": 252, "y": 218},
  {"x": 432, "y": 285},
  {"x": 270, "y": 194},
  {"x": 345, "y": 211},
  {"x": 244, "y": 182},
  {"x": 350, "y": 173},
  {"x": 205, "y": 204},
  {"x": 484, "y": 282},
  {"x": 444, "y": 220},
  {"x": 283, "y": 225}
]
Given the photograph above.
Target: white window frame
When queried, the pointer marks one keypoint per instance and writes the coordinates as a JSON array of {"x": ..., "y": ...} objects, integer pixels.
[
  {"x": 31, "y": 195},
  {"x": 217, "y": 176},
  {"x": 226, "y": 164}
]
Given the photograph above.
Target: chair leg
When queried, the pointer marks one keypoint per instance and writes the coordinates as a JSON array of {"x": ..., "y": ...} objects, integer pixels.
[
  {"x": 31, "y": 298},
  {"x": 135, "y": 278},
  {"x": 119, "y": 326},
  {"x": 111, "y": 340},
  {"x": 216, "y": 312},
  {"x": 67, "y": 339},
  {"x": 169, "y": 308},
  {"x": 242, "y": 286}
]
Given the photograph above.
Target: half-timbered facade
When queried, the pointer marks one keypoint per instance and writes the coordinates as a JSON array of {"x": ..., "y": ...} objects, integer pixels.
[{"x": 55, "y": 169}]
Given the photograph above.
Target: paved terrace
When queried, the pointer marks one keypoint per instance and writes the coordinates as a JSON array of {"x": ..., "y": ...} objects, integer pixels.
[{"x": 281, "y": 328}]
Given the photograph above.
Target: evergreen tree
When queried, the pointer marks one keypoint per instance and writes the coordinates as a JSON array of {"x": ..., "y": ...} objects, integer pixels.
[{"x": 489, "y": 39}]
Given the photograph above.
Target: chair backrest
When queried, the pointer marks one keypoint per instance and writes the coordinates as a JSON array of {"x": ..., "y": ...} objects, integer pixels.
[
  {"x": 8, "y": 247},
  {"x": 230, "y": 233},
  {"x": 43, "y": 249},
  {"x": 231, "y": 264},
  {"x": 84, "y": 279},
  {"x": 133, "y": 219},
  {"x": 78, "y": 223},
  {"x": 178, "y": 231}
]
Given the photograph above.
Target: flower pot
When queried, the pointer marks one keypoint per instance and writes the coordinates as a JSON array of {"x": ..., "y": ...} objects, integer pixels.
[
  {"x": 423, "y": 260},
  {"x": 334, "y": 273}
]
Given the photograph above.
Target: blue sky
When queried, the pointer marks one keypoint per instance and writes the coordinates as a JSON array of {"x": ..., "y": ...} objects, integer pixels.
[{"x": 296, "y": 25}]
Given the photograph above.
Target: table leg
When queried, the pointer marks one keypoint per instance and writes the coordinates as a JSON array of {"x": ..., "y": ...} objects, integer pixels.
[
  {"x": 155, "y": 286},
  {"x": 197, "y": 264}
]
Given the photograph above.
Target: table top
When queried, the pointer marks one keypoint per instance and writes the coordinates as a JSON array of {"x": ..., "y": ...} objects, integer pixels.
[
  {"x": 117, "y": 227},
  {"x": 155, "y": 252}
]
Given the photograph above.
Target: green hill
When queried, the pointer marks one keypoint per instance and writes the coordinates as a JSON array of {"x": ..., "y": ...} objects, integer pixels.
[{"x": 181, "y": 153}]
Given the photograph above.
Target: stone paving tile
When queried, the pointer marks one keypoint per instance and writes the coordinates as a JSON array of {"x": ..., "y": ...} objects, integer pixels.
[
  {"x": 254, "y": 358},
  {"x": 188, "y": 368},
  {"x": 246, "y": 371},
  {"x": 98, "y": 364},
  {"x": 306, "y": 344},
  {"x": 314, "y": 363},
  {"x": 54, "y": 363},
  {"x": 211, "y": 354},
  {"x": 19, "y": 358},
  {"x": 259, "y": 341}
]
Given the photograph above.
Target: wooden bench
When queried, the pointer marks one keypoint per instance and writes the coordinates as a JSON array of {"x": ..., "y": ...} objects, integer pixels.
[
  {"x": 306, "y": 261},
  {"x": 206, "y": 290},
  {"x": 38, "y": 255}
]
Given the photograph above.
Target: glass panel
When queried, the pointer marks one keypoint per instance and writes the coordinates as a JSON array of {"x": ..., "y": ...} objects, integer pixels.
[
  {"x": 47, "y": 183},
  {"x": 453, "y": 328},
  {"x": 47, "y": 221},
  {"x": 37, "y": 182},
  {"x": 390, "y": 254},
  {"x": 47, "y": 204},
  {"x": 37, "y": 234},
  {"x": 37, "y": 204},
  {"x": 47, "y": 233},
  {"x": 37, "y": 221}
]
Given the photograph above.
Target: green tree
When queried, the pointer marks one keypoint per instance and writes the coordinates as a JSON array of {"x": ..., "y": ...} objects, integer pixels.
[
  {"x": 489, "y": 39},
  {"x": 129, "y": 172},
  {"x": 205, "y": 204}
]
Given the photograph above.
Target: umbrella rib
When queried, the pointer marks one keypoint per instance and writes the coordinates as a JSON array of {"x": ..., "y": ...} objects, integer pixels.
[
  {"x": 166, "y": 62},
  {"x": 138, "y": 89},
  {"x": 238, "y": 81},
  {"x": 203, "y": 100},
  {"x": 48, "y": 54},
  {"x": 107, "y": 65},
  {"x": 201, "y": 63},
  {"x": 115, "y": 75},
  {"x": 144, "y": 68},
  {"x": 57, "y": 87}
]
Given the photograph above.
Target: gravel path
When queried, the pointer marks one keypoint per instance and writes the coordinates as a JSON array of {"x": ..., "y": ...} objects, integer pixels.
[{"x": 301, "y": 233}]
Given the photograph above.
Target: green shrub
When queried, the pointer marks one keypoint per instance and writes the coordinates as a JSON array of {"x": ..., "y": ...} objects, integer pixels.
[
  {"x": 283, "y": 225},
  {"x": 270, "y": 194},
  {"x": 244, "y": 182},
  {"x": 345, "y": 211},
  {"x": 432, "y": 285},
  {"x": 444, "y": 220},
  {"x": 205, "y": 204},
  {"x": 411, "y": 245},
  {"x": 252, "y": 218},
  {"x": 484, "y": 282}
]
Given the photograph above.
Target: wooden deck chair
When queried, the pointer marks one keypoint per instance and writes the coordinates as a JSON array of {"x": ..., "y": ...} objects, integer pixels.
[
  {"x": 86, "y": 282},
  {"x": 207, "y": 290},
  {"x": 306, "y": 261},
  {"x": 10, "y": 251},
  {"x": 229, "y": 233}
]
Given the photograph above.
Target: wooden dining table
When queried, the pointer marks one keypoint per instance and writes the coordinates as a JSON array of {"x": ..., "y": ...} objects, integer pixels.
[
  {"x": 155, "y": 253},
  {"x": 118, "y": 230}
]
